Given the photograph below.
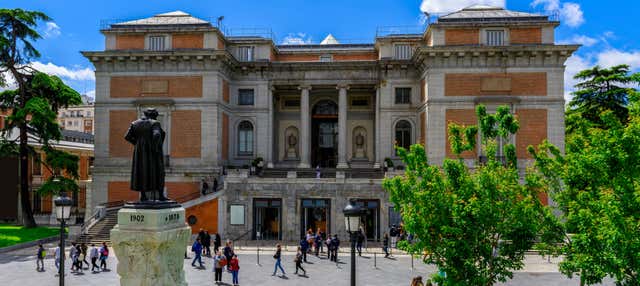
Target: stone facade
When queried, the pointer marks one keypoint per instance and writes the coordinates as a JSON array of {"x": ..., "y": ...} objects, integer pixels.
[{"x": 227, "y": 100}]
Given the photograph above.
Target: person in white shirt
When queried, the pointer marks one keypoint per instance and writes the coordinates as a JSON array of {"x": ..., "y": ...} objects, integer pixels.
[
  {"x": 57, "y": 257},
  {"x": 94, "y": 254}
]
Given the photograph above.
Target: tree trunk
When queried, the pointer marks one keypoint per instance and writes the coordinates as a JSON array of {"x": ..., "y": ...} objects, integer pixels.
[{"x": 27, "y": 214}]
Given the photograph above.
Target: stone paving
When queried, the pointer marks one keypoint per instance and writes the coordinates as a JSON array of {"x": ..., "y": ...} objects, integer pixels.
[{"x": 18, "y": 268}]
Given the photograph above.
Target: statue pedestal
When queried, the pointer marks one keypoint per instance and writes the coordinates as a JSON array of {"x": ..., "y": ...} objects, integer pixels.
[{"x": 150, "y": 242}]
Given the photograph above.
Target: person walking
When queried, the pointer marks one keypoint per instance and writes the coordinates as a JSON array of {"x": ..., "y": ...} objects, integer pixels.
[
  {"x": 304, "y": 246},
  {"x": 104, "y": 255},
  {"x": 298, "y": 260},
  {"x": 215, "y": 185},
  {"x": 278, "y": 257},
  {"x": 385, "y": 244},
  {"x": 219, "y": 261},
  {"x": 417, "y": 281},
  {"x": 56, "y": 256},
  {"x": 228, "y": 253},
  {"x": 335, "y": 245},
  {"x": 206, "y": 243},
  {"x": 94, "y": 255},
  {"x": 318, "y": 242},
  {"x": 393, "y": 232},
  {"x": 79, "y": 259},
  {"x": 84, "y": 248},
  {"x": 40, "y": 255},
  {"x": 197, "y": 249},
  {"x": 328, "y": 244},
  {"x": 234, "y": 266},
  {"x": 359, "y": 241},
  {"x": 73, "y": 253}
]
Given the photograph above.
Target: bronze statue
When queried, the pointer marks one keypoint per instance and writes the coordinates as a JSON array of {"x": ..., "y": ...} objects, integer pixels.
[{"x": 147, "y": 169}]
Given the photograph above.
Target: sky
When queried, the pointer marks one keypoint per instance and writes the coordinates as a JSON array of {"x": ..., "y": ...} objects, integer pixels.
[{"x": 604, "y": 28}]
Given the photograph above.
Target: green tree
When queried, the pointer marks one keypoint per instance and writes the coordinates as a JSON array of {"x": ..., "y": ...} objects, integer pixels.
[
  {"x": 33, "y": 107},
  {"x": 475, "y": 225},
  {"x": 597, "y": 186},
  {"x": 601, "y": 89}
]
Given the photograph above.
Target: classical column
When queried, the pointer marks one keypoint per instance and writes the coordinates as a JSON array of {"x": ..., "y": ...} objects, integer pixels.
[
  {"x": 305, "y": 127},
  {"x": 376, "y": 133},
  {"x": 270, "y": 137},
  {"x": 342, "y": 126}
]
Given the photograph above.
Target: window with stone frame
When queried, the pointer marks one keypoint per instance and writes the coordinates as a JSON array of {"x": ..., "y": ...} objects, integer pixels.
[
  {"x": 245, "y": 96},
  {"x": 403, "y": 134},
  {"x": 246, "y": 53},
  {"x": 326, "y": 58},
  {"x": 495, "y": 37},
  {"x": 245, "y": 138},
  {"x": 403, "y": 95},
  {"x": 403, "y": 52},
  {"x": 157, "y": 43}
]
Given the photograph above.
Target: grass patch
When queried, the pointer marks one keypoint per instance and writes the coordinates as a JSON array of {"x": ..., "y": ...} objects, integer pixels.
[{"x": 13, "y": 234}]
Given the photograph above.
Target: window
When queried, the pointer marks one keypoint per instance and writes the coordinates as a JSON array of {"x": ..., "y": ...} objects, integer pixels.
[
  {"x": 403, "y": 52},
  {"x": 403, "y": 134},
  {"x": 292, "y": 103},
  {"x": 37, "y": 167},
  {"x": 236, "y": 214},
  {"x": 495, "y": 37},
  {"x": 403, "y": 95},
  {"x": 156, "y": 43},
  {"x": 326, "y": 58},
  {"x": 68, "y": 123},
  {"x": 360, "y": 102},
  {"x": 245, "y": 138},
  {"x": 245, "y": 53},
  {"x": 88, "y": 113},
  {"x": 75, "y": 123},
  {"x": 79, "y": 113},
  {"x": 245, "y": 97}
]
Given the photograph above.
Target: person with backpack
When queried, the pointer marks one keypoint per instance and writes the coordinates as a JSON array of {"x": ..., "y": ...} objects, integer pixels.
[
  {"x": 104, "y": 254},
  {"x": 94, "y": 255},
  {"x": 278, "y": 257},
  {"x": 328, "y": 244},
  {"x": 234, "y": 266},
  {"x": 197, "y": 249},
  {"x": 40, "y": 255},
  {"x": 298, "y": 260},
  {"x": 219, "y": 261},
  {"x": 228, "y": 252},
  {"x": 359, "y": 241}
]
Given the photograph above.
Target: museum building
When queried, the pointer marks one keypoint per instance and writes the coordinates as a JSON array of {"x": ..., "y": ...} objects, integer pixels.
[{"x": 324, "y": 118}]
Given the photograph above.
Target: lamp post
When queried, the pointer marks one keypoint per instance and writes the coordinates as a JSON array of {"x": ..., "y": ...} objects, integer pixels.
[
  {"x": 352, "y": 214},
  {"x": 63, "y": 211}
]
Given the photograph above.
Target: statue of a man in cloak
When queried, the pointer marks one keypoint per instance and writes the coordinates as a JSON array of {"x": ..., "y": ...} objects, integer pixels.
[{"x": 147, "y": 170}]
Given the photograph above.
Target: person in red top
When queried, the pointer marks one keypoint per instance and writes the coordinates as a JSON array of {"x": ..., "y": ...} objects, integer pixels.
[{"x": 234, "y": 267}]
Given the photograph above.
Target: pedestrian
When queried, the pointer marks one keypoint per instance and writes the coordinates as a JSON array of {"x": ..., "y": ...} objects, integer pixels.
[
  {"x": 318, "y": 171},
  {"x": 40, "y": 255},
  {"x": 385, "y": 244},
  {"x": 104, "y": 255},
  {"x": 318, "y": 242},
  {"x": 84, "y": 248},
  {"x": 335, "y": 245},
  {"x": 73, "y": 253},
  {"x": 304, "y": 246},
  {"x": 215, "y": 185},
  {"x": 206, "y": 243},
  {"x": 94, "y": 255},
  {"x": 80, "y": 258},
  {"x": 417, "y": 281},
  {"x": 359, "y": 241},
  {"x": 228, "y": 253},
  {"x": 328, "y": 243},
  {"x": 216, "y": 243},
  {"x": 234, "y": 266},
  {"x": 393, "y": 232},
  {"x": 219, "y": 261},
  {"x": 201, "y": 235},
  {"x": 298, "y": 260},
  {"x": 277, "y": 257},
  {"x": 197, "y": 249},
  {"x": 57, "y": 257},
  {"x": 205, "y": 187}
]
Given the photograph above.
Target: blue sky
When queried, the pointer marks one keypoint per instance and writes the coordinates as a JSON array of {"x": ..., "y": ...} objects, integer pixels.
[{"x": 605, "y": 28}]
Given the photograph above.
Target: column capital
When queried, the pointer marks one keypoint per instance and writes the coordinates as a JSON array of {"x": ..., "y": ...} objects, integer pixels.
[
  {"x": 304, "y": 86},
  {"x": 342, "y": 86}
]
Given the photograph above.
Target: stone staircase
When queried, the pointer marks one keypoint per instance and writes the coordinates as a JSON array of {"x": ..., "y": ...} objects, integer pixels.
[
  {"x": 100, "y": 231},
  {"x": 352, "y": 173}
]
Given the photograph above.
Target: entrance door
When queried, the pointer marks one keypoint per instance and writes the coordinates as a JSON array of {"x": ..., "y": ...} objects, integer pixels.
[
  {"x": 266, "y": 219},
  {"x": 324, "y": 130},
  {"x": 371, "y": 220},
  {"x": 315, "y": 215}
]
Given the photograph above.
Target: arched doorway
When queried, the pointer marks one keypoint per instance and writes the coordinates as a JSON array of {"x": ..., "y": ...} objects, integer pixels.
[{"x": 324, "y": 134}]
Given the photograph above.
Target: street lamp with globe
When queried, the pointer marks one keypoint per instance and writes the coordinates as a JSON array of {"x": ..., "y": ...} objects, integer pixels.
[
  {"x": 63, "y": 212},
  {"x": 352, "y": 217}
]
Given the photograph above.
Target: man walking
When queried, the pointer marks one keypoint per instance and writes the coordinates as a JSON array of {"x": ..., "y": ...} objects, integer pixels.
[
  {"x": 207, "y": 243},
  {"x": 359, "y": 241},
  {"x": 304, "y": 246},
  {"x": 40, "y": 255},
  {"x": 93, "y": 255},
  {"x": 393, "y": 232},
  {"x": 197, "y": 249},
  {"x": 57, "y": 254},
  {"x": 335, "y": 245}
]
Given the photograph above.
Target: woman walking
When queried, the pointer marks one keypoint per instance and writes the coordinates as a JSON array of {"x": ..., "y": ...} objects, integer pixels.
[
  {"x": 234, "y": 266},
  {"x": 104, "y": 254},
  {"x": 298, "y": 260},
  {"x": 94, "y": 255},
  {"x": 219, "y": 261},
  {"x": 277, "y": 257},
  {"x": 385, "y": 245},
  {"x": 216, "y": 243}
]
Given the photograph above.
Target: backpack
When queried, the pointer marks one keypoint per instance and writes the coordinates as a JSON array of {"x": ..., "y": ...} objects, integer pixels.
[
  {"x": 105, "y": 251},
  {"x": 42, "y": 253}
]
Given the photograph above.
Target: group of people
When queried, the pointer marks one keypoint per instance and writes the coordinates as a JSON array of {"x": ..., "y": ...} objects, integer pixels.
[
  {"x": 78, "y": 257},
  {"x": 390, "y": 240},
  {"x": 225, "y": 258}
]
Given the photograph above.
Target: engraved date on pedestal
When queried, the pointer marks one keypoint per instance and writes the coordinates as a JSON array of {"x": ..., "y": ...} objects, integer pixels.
[
  {"x": 137, "y": 218},
  {"x": 172, "y": 218}
]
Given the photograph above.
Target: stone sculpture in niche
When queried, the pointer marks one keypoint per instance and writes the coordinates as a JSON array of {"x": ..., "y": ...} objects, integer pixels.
[{"x": 360, "y": 143}]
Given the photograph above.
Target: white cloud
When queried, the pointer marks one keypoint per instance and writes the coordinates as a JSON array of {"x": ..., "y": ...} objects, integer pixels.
[
  {"x": 297, "y": 39},
  {"x": 580, "y": 39},
  {"x": 614, "y": 57},
  {"x": 52, "y": 30},
  {"x": 91, "y": 94},
  {"x": 574, "y": 65},
  {"x": 64, "y": 72},
  {"x": 445, "y": 6},
  {"x": 570, "y": 13}
]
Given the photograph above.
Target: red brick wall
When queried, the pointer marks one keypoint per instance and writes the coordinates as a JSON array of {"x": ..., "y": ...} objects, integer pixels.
[
  {"x": 225, "y": 137},
  {"x": 470, "y": 84},
  {"x": 83, "y": 167},
  {"x": 175, "y": 86},
  {"x": 130, "y": 42},
  {"x": 225, "y": 91},
  {"x": 525, "y": 35},
  {"x": 462, "y": 37},
  {"x": 187, "y": 41},
  {"x": 186, "y": 133},
  {"x": 119, "y": 122},
  {"x": 463, "y": 117},
  {"x": 423, "y": 129},
  {"x": 120, "y": 191},
  {"x": 533, "y": 130},
  {"x": 206, "y": 215},
  {"x": 180, "y": 191}
]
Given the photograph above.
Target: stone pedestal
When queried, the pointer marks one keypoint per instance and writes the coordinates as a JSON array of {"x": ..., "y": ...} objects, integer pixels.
[{"x": 150, "y": 244}]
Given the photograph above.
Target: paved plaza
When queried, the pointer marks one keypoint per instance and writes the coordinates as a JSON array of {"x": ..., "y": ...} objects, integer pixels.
[{"x": 18, "y": 268}]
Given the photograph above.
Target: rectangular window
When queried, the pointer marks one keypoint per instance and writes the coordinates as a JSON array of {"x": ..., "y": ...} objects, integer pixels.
[
  {"x": 403, "y": 95},
  {"x": 245, "y": 96},
  {"x": 326, "y": 58},
  {"x": 495, "y": 37},
  {"x": 156, "y": 43},
  {"x": 37, "y": 167},
  {"x": 292, "y": 103},
  {"x": 360, "y": 102},
  {"x": 245, "y": 53},
  {"x": 403, "y": 52}
]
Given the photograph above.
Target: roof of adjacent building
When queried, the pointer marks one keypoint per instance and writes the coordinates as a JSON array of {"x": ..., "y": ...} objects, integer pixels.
[
  {"x": 484, "y": 13},
  {"x": 77, "y": 136},
  {"x": 175, "y": 18}
]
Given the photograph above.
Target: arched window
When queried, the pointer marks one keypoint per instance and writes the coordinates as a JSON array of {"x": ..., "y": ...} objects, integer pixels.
[
  {"x": 245, "y": 138},
  {"x": 403, "y": 134}
]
